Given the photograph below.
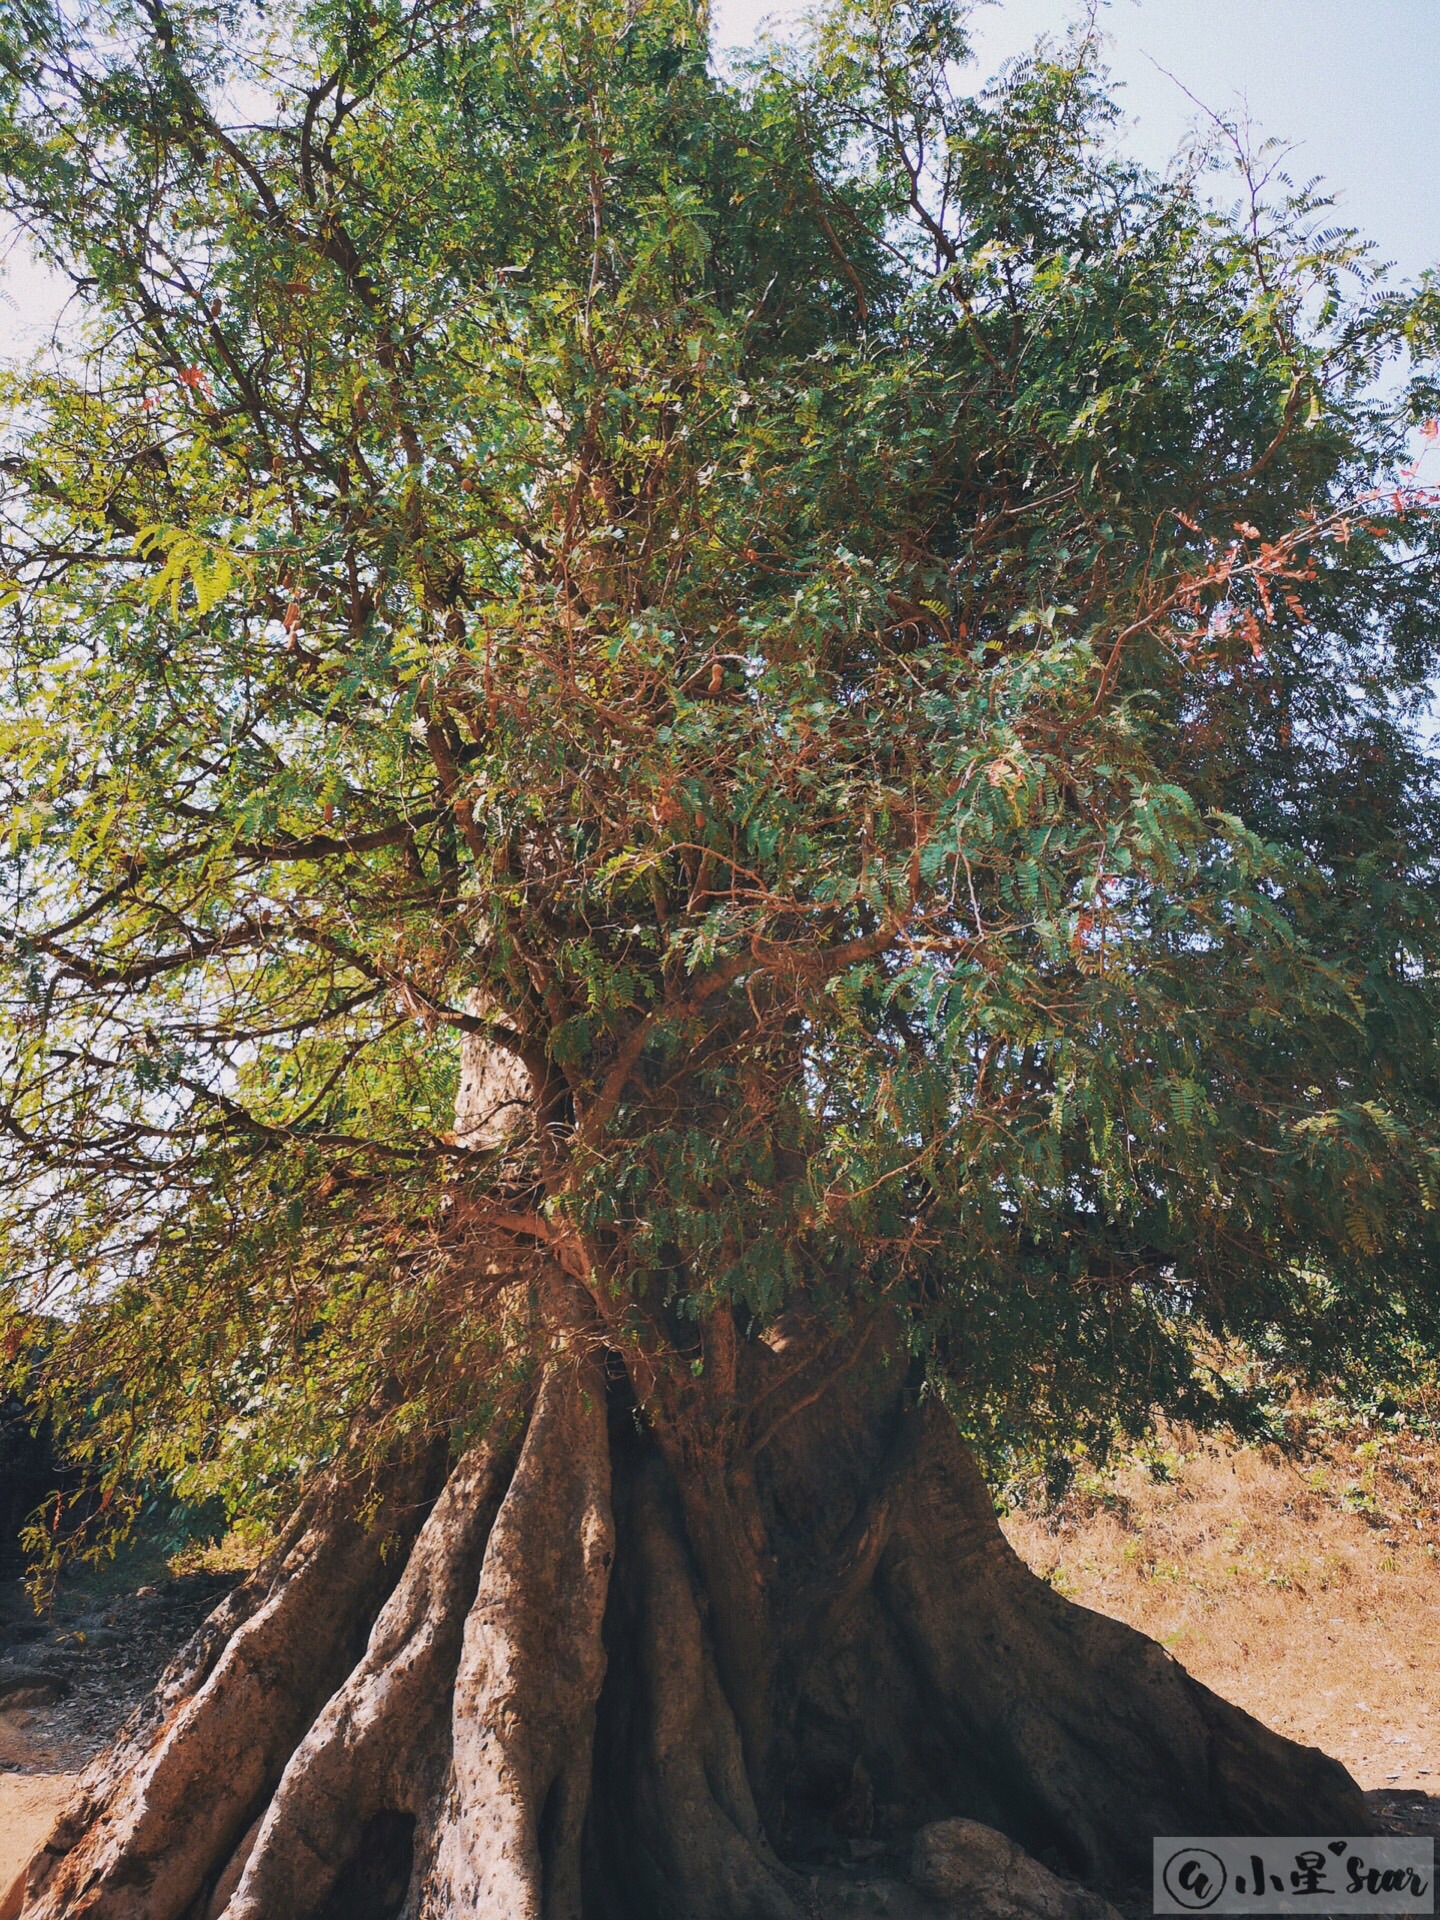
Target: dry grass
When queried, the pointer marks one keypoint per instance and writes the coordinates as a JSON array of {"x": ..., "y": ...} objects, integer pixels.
[{"x": 1306, "y": 1591}]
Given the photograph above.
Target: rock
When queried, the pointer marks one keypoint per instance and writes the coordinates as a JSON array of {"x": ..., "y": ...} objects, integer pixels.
[
  {"x": 981, "y": 1874},
  {"x": 29, "y": 1687}
]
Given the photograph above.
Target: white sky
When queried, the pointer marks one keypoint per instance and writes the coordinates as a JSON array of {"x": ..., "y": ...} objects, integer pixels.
[{"x": 1355, "y": 84}]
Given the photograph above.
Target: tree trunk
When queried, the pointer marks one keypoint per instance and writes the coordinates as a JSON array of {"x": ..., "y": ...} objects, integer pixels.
[{"x": 638, "y": 1668}]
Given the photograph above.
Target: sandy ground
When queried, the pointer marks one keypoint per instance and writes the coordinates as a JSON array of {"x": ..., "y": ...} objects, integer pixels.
[
  {"x": 29, "y": 1804},
  {"x": 102, "y": 1647},
  {"x": 34, "y": 1786}
]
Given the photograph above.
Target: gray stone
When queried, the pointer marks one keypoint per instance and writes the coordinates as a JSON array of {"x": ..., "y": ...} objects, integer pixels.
[{"x": 975, "y": 1871}]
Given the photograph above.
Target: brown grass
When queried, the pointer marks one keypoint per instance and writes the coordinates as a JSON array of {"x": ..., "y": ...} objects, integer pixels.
[{"x": 1307, "y": 1591}]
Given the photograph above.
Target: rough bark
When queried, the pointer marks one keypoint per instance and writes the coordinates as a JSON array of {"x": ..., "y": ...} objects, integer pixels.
[
  {"x": 530, "y": 1673},
  {"x": 151, "y": 1824},
  {"x": 1072, "y": 1732},
  {"x": 675, "y": 1828},
  {"x": 551, "y": 1718},
  {"x": 362, "y": 1757}
]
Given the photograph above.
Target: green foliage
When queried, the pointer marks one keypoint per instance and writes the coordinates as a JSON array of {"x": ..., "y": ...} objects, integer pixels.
[{"x": 882, "y": 640}]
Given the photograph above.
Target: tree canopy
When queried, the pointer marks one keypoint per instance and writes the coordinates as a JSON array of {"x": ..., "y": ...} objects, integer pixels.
[{"x": 873, "y": 648}]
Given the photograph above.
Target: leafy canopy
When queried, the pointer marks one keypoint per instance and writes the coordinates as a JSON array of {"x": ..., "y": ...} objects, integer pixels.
[{"x": 871, "y": 647}]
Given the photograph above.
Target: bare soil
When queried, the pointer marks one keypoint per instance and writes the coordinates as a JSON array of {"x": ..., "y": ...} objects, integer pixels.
[
  {"x": 96, "y": 1655},
  {"x": 29, "y": 1805}
]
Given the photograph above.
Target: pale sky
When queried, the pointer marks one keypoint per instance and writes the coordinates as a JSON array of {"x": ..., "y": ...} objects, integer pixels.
[{"x": 1354, "y": 84}]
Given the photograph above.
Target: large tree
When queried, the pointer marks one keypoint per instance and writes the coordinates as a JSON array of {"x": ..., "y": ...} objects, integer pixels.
[{"x": 714, "y": 793}]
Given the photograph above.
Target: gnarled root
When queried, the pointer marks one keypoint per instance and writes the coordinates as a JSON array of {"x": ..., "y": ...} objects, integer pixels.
[
  {"x": 526, "y": 1737},
  {"x": 363, "y": 1757},
  {"x": 1112, "y": 1738},
  {"x": 150, "y": 1822},
  {"x": 508, "y": 1846},
  {"x": 964, "y": 1685},
  {"x": 674, "y": 1827}
]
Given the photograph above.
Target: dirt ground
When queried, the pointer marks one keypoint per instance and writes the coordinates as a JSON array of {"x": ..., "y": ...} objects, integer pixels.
[
  {"x": 29, "y": 1805},
  {"x": 1307, "y": 1591}
]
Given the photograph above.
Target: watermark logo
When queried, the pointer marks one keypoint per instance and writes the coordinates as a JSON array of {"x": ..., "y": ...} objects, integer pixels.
[{"x": 1321, "y": 1876}]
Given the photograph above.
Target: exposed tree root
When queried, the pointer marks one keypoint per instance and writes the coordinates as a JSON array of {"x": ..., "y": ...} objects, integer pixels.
[
  {"x": 144, "y": 1844},
  {"x": 1094, "y": 1738},
  {"x": 362, "y": 1757},
  {"x": 530, "y": 1673},
  {"x": 673, "y": 1786},
  {"x": 526, "y": 1737},
  {"x": 954, "y": 1682}
]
